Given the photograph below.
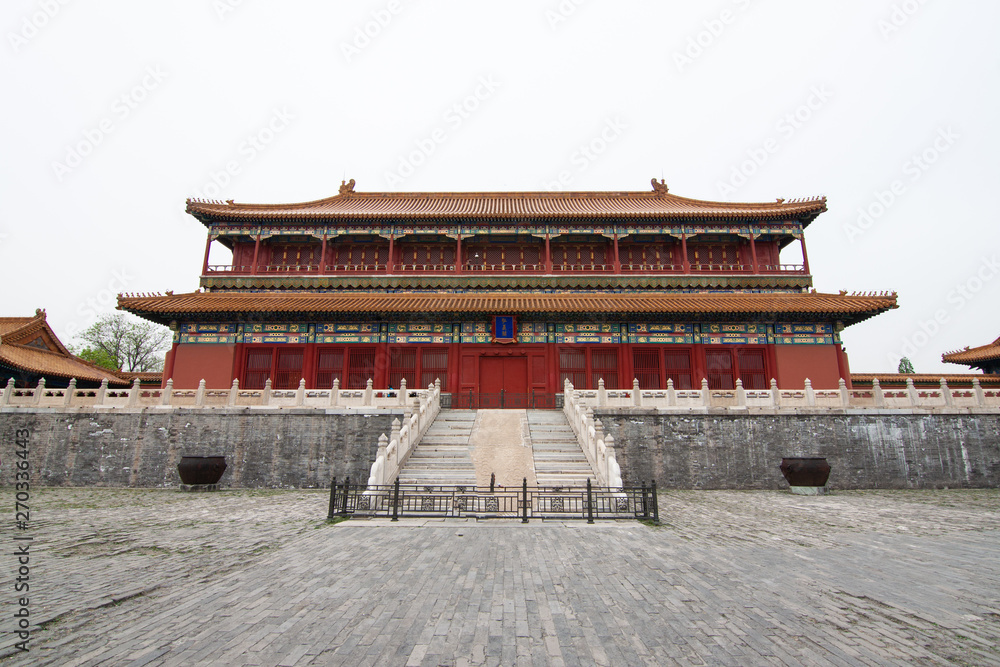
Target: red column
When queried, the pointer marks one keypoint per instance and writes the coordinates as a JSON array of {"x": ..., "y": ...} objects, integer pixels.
[
  {"x": 684, "y": 254},
  {"x": 256, "y": 252},
  {"x": 322, "y": 256},
  {"x": 548, "y": 255},
  {"x": 805, "y": 255},
  {"x": 618, "y": 262},
  {"x": 753, "y": 253},
  {"x": 390, "y": 263},
  {"x": 208, "y": 247},
  {"x": 458, "y": 256}
]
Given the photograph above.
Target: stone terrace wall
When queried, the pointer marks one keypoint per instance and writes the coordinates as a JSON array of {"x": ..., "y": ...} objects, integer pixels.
[
  {"x": 903, "y": 450},
  {"x": 281, "y": 448}
]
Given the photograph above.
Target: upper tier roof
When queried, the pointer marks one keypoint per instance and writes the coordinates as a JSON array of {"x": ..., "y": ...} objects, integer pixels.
[
  {"x": 850, "y": 308},
  {"x": 657, "y": 203},
  {"x": 974, "y": 355}
]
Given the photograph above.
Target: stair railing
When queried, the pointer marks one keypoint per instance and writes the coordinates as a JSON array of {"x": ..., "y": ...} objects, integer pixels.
[{"x": 394, "y": 450}]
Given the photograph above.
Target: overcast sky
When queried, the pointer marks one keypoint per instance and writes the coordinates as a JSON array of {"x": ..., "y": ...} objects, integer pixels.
[{"x": 115, "y": 112}]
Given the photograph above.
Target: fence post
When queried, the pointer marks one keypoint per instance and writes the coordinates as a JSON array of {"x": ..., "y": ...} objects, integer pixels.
[
  {"x": 775, "y": 394},
  {"x": 395, "y": 500},
  {"x": 402, "y": 392},
  {"x": 524, "y": 501},
  {"x": 234, "y": 391},
  {"x": 645, "y": 510},
  {"x": 369, "y": 392},
  {"x": 671, "y": 393},
  {"x": 602, "y": 393},
  {"x": 877, "y": 394},
  {"x": 101, "y": 391},
  {"x": 71, "y": 389},
  {"x": 706, "y": 395},
  {"x": 39, "y": 391},
  {"x": 265, "y": 398},
  {"x": 590, "y": 503},
  {"x": 741, "y": 394},
  {"x": 810, "y": 394},
  {"x": 8, "y": 391},
  {"x": 347, "y": 490},
  {"x": 911, "y": 391},
  {"x": 656, "y": 505},
  {"x": 845, "y": 398},
  {"x": 333, "y": 499}
]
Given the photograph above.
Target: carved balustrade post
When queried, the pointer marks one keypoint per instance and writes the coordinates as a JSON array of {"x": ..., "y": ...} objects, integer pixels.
[
  {"x": 911, "y": 391},
  {"x": 810, "y": 394},
  {"x": 978, "y": 389},
  {"x": 39, "y": 391},
  {"x": 199, "y": 396},
  {"x": 369, "y": 393},
  {"x": 636, "y": 393},
  {"x": 335, "y": 393},
  {"x": 403, "y": 398},
  {"x": 602, "y": 393},
  {"x": 133, "y": 394},
  {"x": 671, "y": 393},
  {"x": 70, "y": 391},
  {"x": 234, "y": 391},
  {"x": 8, "y": 392},
  {"x": 102, "y": 391},
  {"x": 845, "y": 396},
  {"x": 265, "y": 397},
  {"x": 168, "y": 392},
  {"x": 706, "y": 395},
  {"x": 949, "y": 400},
  {"x": 877, "y": 393},
  {"x": 775, "y": 394},
  {"x": 300, "y": 393},
  {"x": 741, "y": 394}
]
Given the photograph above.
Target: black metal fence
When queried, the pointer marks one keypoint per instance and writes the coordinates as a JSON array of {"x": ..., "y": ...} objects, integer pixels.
[
  {"x": 524, "y": 503},
  {"x": 531, "y": 400}
]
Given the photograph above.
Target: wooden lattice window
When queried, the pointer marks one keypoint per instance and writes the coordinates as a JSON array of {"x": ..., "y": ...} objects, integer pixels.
[
  {"x": 288, "y": 369},
  {"x": 360, "y": 367},
  {"x": 573, "y": 367},
  {"x": 258, "y": 367},
  {"x": 752, "y": 371},
  {"x": 677, "y": 364},
  {"x": 403, "y": 366},
  {"x": 329, "y": 367},
  {"x": 721, "y": 374},
  {"x": 604, "y": 365},
  {"x": 434, "y": 366},
  {"x": 646, "y": 367}
]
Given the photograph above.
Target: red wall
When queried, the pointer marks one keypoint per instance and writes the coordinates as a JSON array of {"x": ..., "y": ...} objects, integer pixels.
[
  {"x": 212, "y": 363},
  {"x": 819, "y": 363}
]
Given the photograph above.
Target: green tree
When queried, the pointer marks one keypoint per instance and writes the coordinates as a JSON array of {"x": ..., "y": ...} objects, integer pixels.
[
  {"x": 905, "y": 366},
  {"x": 98, "y": 356},
  {"x": 130, "y": 344}
]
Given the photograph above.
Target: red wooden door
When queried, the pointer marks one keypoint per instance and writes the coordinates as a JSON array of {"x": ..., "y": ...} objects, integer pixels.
[{"x": 507, "y": 374}]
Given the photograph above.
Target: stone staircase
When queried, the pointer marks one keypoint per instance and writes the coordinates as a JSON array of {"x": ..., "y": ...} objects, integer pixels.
[
  {"x": 442, "y": 457},
  {"x": 559, "y": 461}
]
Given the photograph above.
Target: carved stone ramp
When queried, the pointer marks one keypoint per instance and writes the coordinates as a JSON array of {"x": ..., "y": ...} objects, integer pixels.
[
  {"x": 559, "y": 460},
  {"x": 443, "y": 458}
]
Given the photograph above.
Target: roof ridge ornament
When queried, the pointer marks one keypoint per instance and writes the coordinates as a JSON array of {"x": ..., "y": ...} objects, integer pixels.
[
  {"x": 661, "y": 187},
  {"x": 347, "y": 187}
]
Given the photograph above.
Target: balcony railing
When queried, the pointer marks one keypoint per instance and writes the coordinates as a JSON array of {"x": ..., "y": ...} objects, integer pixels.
[{"x": 331, "y": 269}]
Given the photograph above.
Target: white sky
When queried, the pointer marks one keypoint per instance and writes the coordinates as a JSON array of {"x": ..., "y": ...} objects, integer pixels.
[{"x": 163, "y": 97}]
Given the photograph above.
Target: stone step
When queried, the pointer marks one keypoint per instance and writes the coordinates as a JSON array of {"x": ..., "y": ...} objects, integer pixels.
[{"x": 558, "y": 459}]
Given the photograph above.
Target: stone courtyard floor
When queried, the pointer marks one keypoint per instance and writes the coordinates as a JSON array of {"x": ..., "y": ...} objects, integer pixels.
[{"x": 152, "y": 577}]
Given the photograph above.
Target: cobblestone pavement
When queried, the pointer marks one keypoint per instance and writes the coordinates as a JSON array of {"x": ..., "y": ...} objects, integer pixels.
[{"x": 132, "y": 577}]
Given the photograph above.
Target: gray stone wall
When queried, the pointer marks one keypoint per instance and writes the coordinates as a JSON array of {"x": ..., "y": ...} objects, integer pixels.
[
  {"x": 263, "y": 449},
  {"x": 901, "y": 450}
]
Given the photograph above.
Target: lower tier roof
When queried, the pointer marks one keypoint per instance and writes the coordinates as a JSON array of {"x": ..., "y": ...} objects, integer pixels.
[{"x": 848, "y": 308}]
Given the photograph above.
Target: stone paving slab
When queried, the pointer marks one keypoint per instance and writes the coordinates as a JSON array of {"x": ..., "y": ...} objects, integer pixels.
[{"x": 133, "y": 577}]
